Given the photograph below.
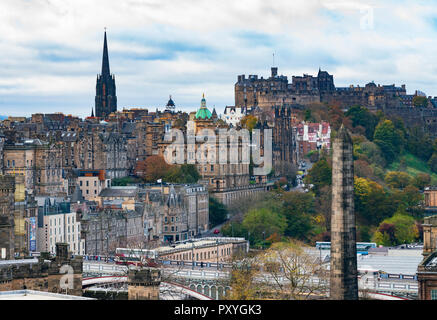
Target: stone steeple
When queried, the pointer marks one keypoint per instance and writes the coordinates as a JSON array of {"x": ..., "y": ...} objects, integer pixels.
[
  {"x": 105, "y": 61},
  {"x": 343, "y": 279},
  {"x": 106, "y": 98}
]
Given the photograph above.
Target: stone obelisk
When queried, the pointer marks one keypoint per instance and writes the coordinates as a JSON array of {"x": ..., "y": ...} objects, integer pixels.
[{"x": 343, "y": 279}]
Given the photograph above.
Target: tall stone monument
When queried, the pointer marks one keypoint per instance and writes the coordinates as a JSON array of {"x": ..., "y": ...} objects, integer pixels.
[{"x": 343, "y": 280}]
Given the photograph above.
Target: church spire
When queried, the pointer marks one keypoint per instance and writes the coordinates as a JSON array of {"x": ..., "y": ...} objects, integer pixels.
[
  {"x": 106, "y": 97},
  {"x": 105, "y": 61}
]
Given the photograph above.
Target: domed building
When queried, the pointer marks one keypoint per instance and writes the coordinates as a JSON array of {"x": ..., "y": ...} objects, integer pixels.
[
  {"x": 203, "y": 117},
  {"x": 203, "y": 113},
  {"x": 170, "y": 105}
]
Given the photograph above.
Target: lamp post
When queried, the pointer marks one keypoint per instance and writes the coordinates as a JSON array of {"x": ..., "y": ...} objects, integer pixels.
[
  {"x": 216, "y": 242},
  {"x": 192, "y": 256}
]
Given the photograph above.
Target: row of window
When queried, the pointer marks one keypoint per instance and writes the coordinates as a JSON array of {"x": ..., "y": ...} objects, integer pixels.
[
  {"x": 72, "y": 220},
  {"x": 204, "y": 255}
]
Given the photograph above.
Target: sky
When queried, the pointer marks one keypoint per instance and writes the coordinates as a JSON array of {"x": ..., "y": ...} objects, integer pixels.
[{"x": 51, "y": 50}]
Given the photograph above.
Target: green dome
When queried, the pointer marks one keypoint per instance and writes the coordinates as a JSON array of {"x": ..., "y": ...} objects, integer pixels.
[{"x": 203, "y": 112}]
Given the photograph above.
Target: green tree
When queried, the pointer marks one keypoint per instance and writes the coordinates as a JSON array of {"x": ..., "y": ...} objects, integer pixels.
[
  {"x": 186, "y": 173},
  {"x": 372, "y": 153},
  {"x": 390, "y": 139},
  {"x": 419, "y": 143},
  {"x": 217, "y": 212},
  {"x": 361, "y": 116},
  {"x": 401, "y": 228},
  {"x": 298, "y": 208},
  {"x": 371, "y": 201},
  {"x": 264, "y": 222},
  {"x": 308, "y": 116},
  {"x": 420, "y": 102},
  {"x": 422, "y": 180},
  {"x": 397, "y": 179},
  {"x": 432, "y": 163},
  {"x": 319, "y": 175}
]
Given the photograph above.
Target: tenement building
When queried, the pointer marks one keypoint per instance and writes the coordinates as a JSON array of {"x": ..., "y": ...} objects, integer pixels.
[
  {"x": 7, "y": 190},
  {"x": 175, "y": 212}
]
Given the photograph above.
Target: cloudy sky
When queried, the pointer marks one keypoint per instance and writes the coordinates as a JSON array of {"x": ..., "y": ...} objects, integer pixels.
[{"x": 51, "y": 50}]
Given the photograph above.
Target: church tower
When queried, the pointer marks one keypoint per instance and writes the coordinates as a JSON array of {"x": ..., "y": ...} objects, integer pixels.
[
  {"x": 343, "y": 280},
  {"x": 106, "y": 98}
]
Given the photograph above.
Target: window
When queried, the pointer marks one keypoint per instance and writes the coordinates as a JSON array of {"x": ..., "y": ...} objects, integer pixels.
[{"x": 433, "y": 294}]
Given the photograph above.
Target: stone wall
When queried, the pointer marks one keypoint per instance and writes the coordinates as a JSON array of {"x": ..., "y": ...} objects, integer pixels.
[
  {"x": 44, "y": 275},
  {"x": 144, "y": 284}
]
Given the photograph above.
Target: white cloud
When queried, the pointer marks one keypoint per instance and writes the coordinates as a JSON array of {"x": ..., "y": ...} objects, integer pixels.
[{"x": 186, "y": 47}]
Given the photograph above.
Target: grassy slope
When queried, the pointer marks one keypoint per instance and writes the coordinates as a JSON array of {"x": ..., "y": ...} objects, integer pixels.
[{"x": 413, "y": 166}]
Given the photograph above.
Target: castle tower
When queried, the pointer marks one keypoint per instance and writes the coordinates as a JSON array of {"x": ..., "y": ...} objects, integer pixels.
[
  {"x": 106, "y": 98},
  {"x": 343, "y": 282}
]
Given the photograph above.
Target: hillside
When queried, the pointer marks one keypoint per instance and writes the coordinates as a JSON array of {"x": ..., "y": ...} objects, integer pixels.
[{"x": 413, "y": 166}]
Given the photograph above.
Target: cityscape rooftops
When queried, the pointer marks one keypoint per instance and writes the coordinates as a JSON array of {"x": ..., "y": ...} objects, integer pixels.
[{"x": 119, "y": 192}]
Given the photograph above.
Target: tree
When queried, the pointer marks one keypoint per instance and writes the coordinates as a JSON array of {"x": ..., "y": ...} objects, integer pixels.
[
  {"x": 397, "y": 179},
  {"x": 186, "y": 173},
  {"x": 217, "y": 212},
  {"x": 422, "y": 180},
  {"x": 289, "y": 271},
  {"x": 319, "y": 175},
  {"x": 263, "y": 222},
  {"x": 243, "y": 280},
  {"x": 433, "y": 162},
  {"x": 389, "y": 138},
  {"x": 152, "y": 169},
  {"x": 323, "y": 204},
  {"x": 372, "y": 153},
  {"x": 362, "y": 169},
  {"x": 420, "y": 102},
  {"x": 361, "y": 116},
  {"x": 419, "y": 143},
  {"x": 371, "y": 202},
  {"x": 297, "y": 208},
  {"x": 249, "y": 122},
  {"x": 308, "y": 116},
  {"x": 399, "y": 229}
]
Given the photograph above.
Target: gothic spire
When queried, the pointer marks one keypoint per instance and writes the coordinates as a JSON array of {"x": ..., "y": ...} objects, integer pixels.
[{"x": 105, "y": 61}]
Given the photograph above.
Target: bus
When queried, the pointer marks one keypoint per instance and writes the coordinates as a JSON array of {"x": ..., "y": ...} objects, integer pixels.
[
  {"x": 362, "y": 247},
  {"x": 138, "y": 257}
]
